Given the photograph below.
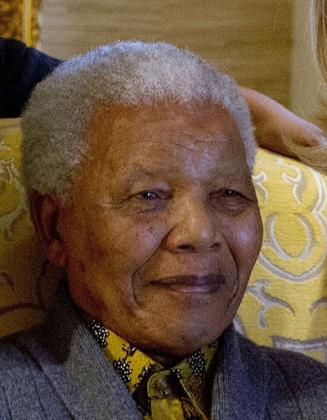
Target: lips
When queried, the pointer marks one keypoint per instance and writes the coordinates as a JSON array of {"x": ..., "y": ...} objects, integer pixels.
[{"x": 210, "y": 283}]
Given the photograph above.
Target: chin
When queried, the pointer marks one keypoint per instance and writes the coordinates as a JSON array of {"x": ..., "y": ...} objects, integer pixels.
[{"x": 179, "y": 344}]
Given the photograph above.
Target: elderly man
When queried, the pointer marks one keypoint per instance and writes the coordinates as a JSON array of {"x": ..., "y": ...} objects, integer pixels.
[{"x": 137, "y": 163}]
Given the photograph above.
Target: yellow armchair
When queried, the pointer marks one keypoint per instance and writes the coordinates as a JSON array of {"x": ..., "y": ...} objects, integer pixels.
[{"x": 286, "y": 301}]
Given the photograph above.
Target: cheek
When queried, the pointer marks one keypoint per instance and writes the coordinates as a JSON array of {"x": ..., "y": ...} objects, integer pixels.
[
  {"x": 246, "y": 240},
  {"x": 123, "y": 247}
]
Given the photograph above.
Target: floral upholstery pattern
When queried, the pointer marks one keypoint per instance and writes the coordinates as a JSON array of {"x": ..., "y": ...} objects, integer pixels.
[
  {"x": 12, "y": 16},
  {"x": 286, "y": 301},
  {"x": 23, "y": 296}
]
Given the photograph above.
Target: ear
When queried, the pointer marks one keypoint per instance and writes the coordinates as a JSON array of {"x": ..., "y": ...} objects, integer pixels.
[{"x": 44, "y": 212}]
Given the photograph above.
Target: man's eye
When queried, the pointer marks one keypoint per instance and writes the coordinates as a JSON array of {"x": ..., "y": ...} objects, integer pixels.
[
  {"x": 228, "y": 196},
  {"x": 150, "y": 195},
  {"x": 230, "y": 193},
  {"x": 226, "y": 193}
]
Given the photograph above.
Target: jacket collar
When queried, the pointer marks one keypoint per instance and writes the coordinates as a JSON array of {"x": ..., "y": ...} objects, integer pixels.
[
  {"x": 90, "y": 388},
  {"x": 75, "y": 365},
  {"x": 240, "y": 385}
]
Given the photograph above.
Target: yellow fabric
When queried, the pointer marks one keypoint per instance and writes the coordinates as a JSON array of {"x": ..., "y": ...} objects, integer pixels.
[
  {"x": 286, "y": 302},
  {"x": 19, "y": 19},
  {"x": 193, "y": 373},
  {"x": 168, "y": 409},
  {"x": 26, "y": 280}
]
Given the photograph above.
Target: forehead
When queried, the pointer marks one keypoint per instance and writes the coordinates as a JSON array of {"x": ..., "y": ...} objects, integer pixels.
[{"x": 165, "y": 135}]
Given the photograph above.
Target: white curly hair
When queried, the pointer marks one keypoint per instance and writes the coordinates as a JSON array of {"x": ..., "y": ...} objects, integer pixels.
[{"x": 58, "y": 114}]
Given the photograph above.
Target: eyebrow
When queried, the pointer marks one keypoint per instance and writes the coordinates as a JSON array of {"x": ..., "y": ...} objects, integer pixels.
[{"x": 139, "y": 171}]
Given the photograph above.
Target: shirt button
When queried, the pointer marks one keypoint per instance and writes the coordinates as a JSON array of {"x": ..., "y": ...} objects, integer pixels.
[{"x": 161, "y": 387}]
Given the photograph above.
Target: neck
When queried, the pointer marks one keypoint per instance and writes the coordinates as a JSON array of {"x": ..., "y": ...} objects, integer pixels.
[{"x": 163, "y": 360}]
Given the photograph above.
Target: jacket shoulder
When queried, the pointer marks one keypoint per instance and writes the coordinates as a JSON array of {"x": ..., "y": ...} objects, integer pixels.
[
  {"x": 12, "y": 359},
  {"x": 294, "y": 381},
  {"x": 16, "y": 379},
  {"x": 24, "y": 388},
  {"x": 284, "y": 362}
]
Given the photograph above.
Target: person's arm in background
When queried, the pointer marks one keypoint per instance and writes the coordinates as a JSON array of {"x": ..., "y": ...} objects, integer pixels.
[
  {"x": 21, "y": 68},
  {"x": 281, "y": 131}
]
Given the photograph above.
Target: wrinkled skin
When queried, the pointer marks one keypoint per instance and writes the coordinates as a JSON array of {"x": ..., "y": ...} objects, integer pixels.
[{"x": 163, "y": 229}]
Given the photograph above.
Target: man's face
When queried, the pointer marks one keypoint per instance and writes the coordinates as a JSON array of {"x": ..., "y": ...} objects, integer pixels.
[{"x": 164, "y": 227}]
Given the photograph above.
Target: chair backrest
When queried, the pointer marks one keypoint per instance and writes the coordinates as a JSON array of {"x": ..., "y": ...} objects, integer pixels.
[
  {"x": 285, "y": 304},
  {"x": 27, "y": 281},
  {"x": 286, "y": 301}
]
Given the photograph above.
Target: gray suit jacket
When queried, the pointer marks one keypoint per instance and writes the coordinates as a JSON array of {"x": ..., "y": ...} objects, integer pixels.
[{"x": 57, "y": 371}]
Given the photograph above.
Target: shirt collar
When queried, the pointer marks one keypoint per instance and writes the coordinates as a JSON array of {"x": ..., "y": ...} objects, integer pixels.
[{"x": 134, "y": 367}]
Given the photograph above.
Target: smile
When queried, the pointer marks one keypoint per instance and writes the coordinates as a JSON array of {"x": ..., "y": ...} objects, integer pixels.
[{"x": 207, "y": 284}]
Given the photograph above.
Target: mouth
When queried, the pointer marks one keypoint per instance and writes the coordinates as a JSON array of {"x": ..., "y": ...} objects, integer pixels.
[{"x": 189, "y": 284}]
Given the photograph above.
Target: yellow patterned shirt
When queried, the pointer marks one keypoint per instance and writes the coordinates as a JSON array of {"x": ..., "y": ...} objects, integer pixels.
[{"x": 181, "y": 392}]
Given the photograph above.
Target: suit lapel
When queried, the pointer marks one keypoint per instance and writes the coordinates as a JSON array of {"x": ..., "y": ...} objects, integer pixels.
[{"x": 75, "y": 365}]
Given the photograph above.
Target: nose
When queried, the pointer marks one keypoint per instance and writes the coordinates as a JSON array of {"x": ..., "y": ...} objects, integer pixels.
[{"x": 194, "y": 228}]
